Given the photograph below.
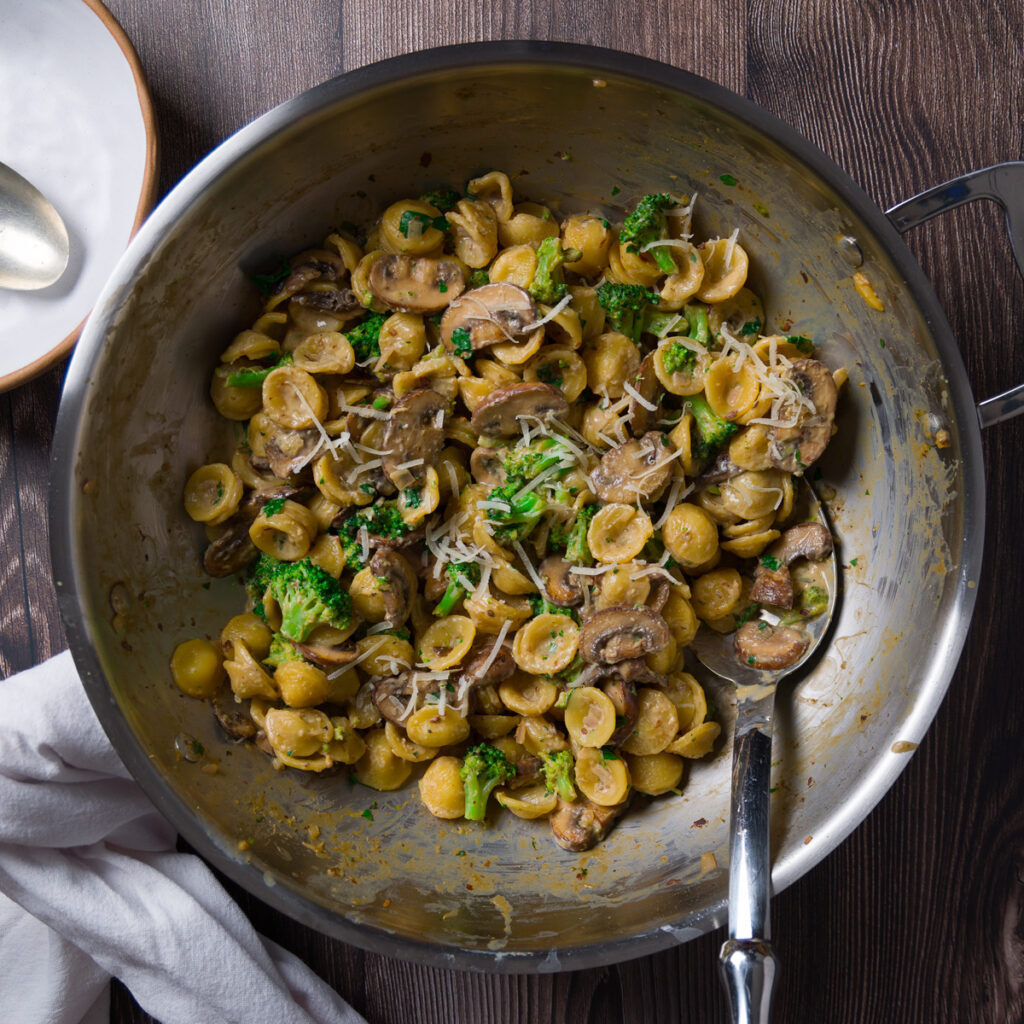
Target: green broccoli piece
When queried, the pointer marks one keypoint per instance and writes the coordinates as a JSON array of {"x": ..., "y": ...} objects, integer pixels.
[
  {"x": 558, "y": 774},
  {"x": 649, "y": 223},
  {"x": 443, "y": 199},
  {"x": 457, "y": 572},
  {"x": 484, "y": 768},
  {"x": 524, "y": 462},
  {"x": 548, "y": 284},
  {"x": 577, "y": 550},
  {"x": 254, "y": 376},
  {"x": 281, "y": 650},
  {"x": 521, "y": 515},
  {"x": 381, "y": 520},
  {"x": 713, "y": 430},
  {"x": 307, "y": 596},
  {"x": 813, "y": 601},
  {"x": 697, "y": 316},
  {"x": 365, "y": 337},
  {"x": 677, "y": 358},
  {"x": 626, "y": 306}
]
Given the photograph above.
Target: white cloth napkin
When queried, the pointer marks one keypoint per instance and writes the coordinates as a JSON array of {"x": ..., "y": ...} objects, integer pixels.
[{"x": 91, "y": 886}]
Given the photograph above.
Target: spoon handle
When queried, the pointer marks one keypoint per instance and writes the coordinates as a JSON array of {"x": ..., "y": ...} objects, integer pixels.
[{"x": 747, "y": 961}]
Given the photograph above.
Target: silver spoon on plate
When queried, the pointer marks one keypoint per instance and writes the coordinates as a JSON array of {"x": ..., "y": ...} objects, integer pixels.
[
  {"x": 34, "y": 245},
  {"x": 756, "y": 658}
]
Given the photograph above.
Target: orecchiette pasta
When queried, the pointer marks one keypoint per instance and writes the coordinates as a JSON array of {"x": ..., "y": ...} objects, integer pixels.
[{"x": 493, "y": 470}]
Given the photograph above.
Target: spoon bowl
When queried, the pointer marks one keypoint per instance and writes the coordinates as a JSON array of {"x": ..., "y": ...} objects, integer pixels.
[
  {"x": 34, "y": 246},
  {"x": 747, "y": 961}
]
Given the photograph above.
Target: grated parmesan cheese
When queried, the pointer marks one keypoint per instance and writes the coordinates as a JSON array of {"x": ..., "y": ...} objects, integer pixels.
[{"x": 646, "y": 403}]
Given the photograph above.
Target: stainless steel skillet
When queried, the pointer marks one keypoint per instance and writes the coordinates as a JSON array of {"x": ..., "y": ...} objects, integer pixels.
[{"x": 582, "y": 128}]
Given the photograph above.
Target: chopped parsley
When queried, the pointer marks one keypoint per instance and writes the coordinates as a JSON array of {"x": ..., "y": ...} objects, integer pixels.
[
  {"x": 727, "y": 179},
  {"x": 770, "y": 562},
  {"x": 408, "y": 216},
  {"x": 267, "y": 283},
  {"x": 751, "y": 327},
  {"x": 272, "y": 507},
  {"x": 461, "y": 342},
  {"x": 803, "y": 345}
]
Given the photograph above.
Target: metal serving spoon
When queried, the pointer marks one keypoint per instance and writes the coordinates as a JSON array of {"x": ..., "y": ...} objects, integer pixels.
[
  {"x": 33, "y": 239},
  {"x": 747, "y": 960}
]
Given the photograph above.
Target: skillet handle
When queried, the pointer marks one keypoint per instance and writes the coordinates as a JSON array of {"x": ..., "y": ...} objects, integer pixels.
[{"x": 1003, "y": 183}]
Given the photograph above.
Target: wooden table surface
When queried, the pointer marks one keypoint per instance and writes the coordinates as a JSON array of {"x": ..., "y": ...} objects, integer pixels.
[{"x": 919, "y": 915}]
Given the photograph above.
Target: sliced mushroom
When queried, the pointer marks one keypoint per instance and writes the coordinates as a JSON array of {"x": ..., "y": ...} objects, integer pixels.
[
  {"x": 487, "y": 466},
  {"x": 617, "y": 634},
  {"x": 481, "y": 670},
  {"x": 415, "y": 430},
  {"x": 254, "y": 501},
  {"x": 232, "y": 551},
  {"x": 561, "y": 587},
  {"x": 580, "y": 825},
  {"x": 309, "y": 266},
  {"x": 332, "y": 300},
  {"x": 763, "y": 646},
  {"x": 327, "y": 656},
  {"x": 721, "y": 468},
  {"x": 795, "y": 448},
  {"x": 622, "y": 694},
  {"x": 491, "y": 314},
  {"x": 661, "y": 589},
  {"x": 391, "y": 694},
  {"x": 389, "y": 565},
  {"x": 234, "y": 719},
  {"x": 498, "y": 415},
  {"x": 529, "y": 768},
  {"x": 290, "y": 451},
  {"x": 416, "y": 284},
  {"x": 641, "y": 419},
  {"x": 639, "y": 469},
  {"x": 774, "y": 586}
]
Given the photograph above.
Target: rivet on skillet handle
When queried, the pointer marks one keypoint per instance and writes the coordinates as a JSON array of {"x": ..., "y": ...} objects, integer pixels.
[{"x": 1003, "y": 183}]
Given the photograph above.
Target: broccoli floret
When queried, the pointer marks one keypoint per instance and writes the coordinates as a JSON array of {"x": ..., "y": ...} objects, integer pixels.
[
  {"x": 649, "y": 223},
  {"x": 444, "y": 199},
  {"x": 484, "y": 768},
  {"x": 365, "y": 337},
  {"x": 254, "y": 376},
  {"x": 548, "y": 284},
  {"x": 524, "y": 462},
  {"x": 459, "y": 573},
  {"x": 677, "y": 358},
  {"x": 306, "y": 594},
  {"x": 713, "y": 430},
  {"x": 257, "y": 580},
  {"x": 577, "y": 550},
  {"x": 626, "y": 306},
  {"x": 382, "y": 520},
  {"x": 558, "y": 774},
  {"x": 697, "y": 316},
  {"x": 281, "y": 650},
  {"x": 522, "y": 515}
]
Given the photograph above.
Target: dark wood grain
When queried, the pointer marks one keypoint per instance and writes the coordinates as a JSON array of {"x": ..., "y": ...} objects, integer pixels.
[{"x": 919, "y": 916}]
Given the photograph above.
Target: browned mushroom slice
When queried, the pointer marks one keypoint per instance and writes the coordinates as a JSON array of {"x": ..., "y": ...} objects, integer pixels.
[
  {"x": 636, "y": 470},
  {"x": 480, "y": 669},
  {"x": 414, "y": 434},
  {"x": 234, "y": 718},
  {"x": 487, "y": 466},
  {"x": 416, "y": 284},
  {"x": 232, "y": 551},
  {"x": 617, "y": 634},
  {"x": 529, "y": 768},
  {"x": 326, "y": 656},
  {"x": 498, "y": 415},
  {"x": 772, "y": 582},
  {"x": 388, "y": 564},
  {"x": 330, "y": 300},
  {"x": 622, "y": 694},
  {"x": 309, "y": 266},
  {"x": 722, "y": 468},
  {"x": 562, "y": 587},
  {"x": 661, "y": 590},
  {"x": 491, "y": 314},
  {"x": 641, "y": 418},
  {"x": 391, "y": 694},
  {"x": 772, "y": 586},
  {"x": 580, "y": 825},
  {"x": 290, "y": 451},
  {"x": 252, "y": 504},
  {"x": 795, "y": 448},
  {"x": 760, "y": 645}
]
